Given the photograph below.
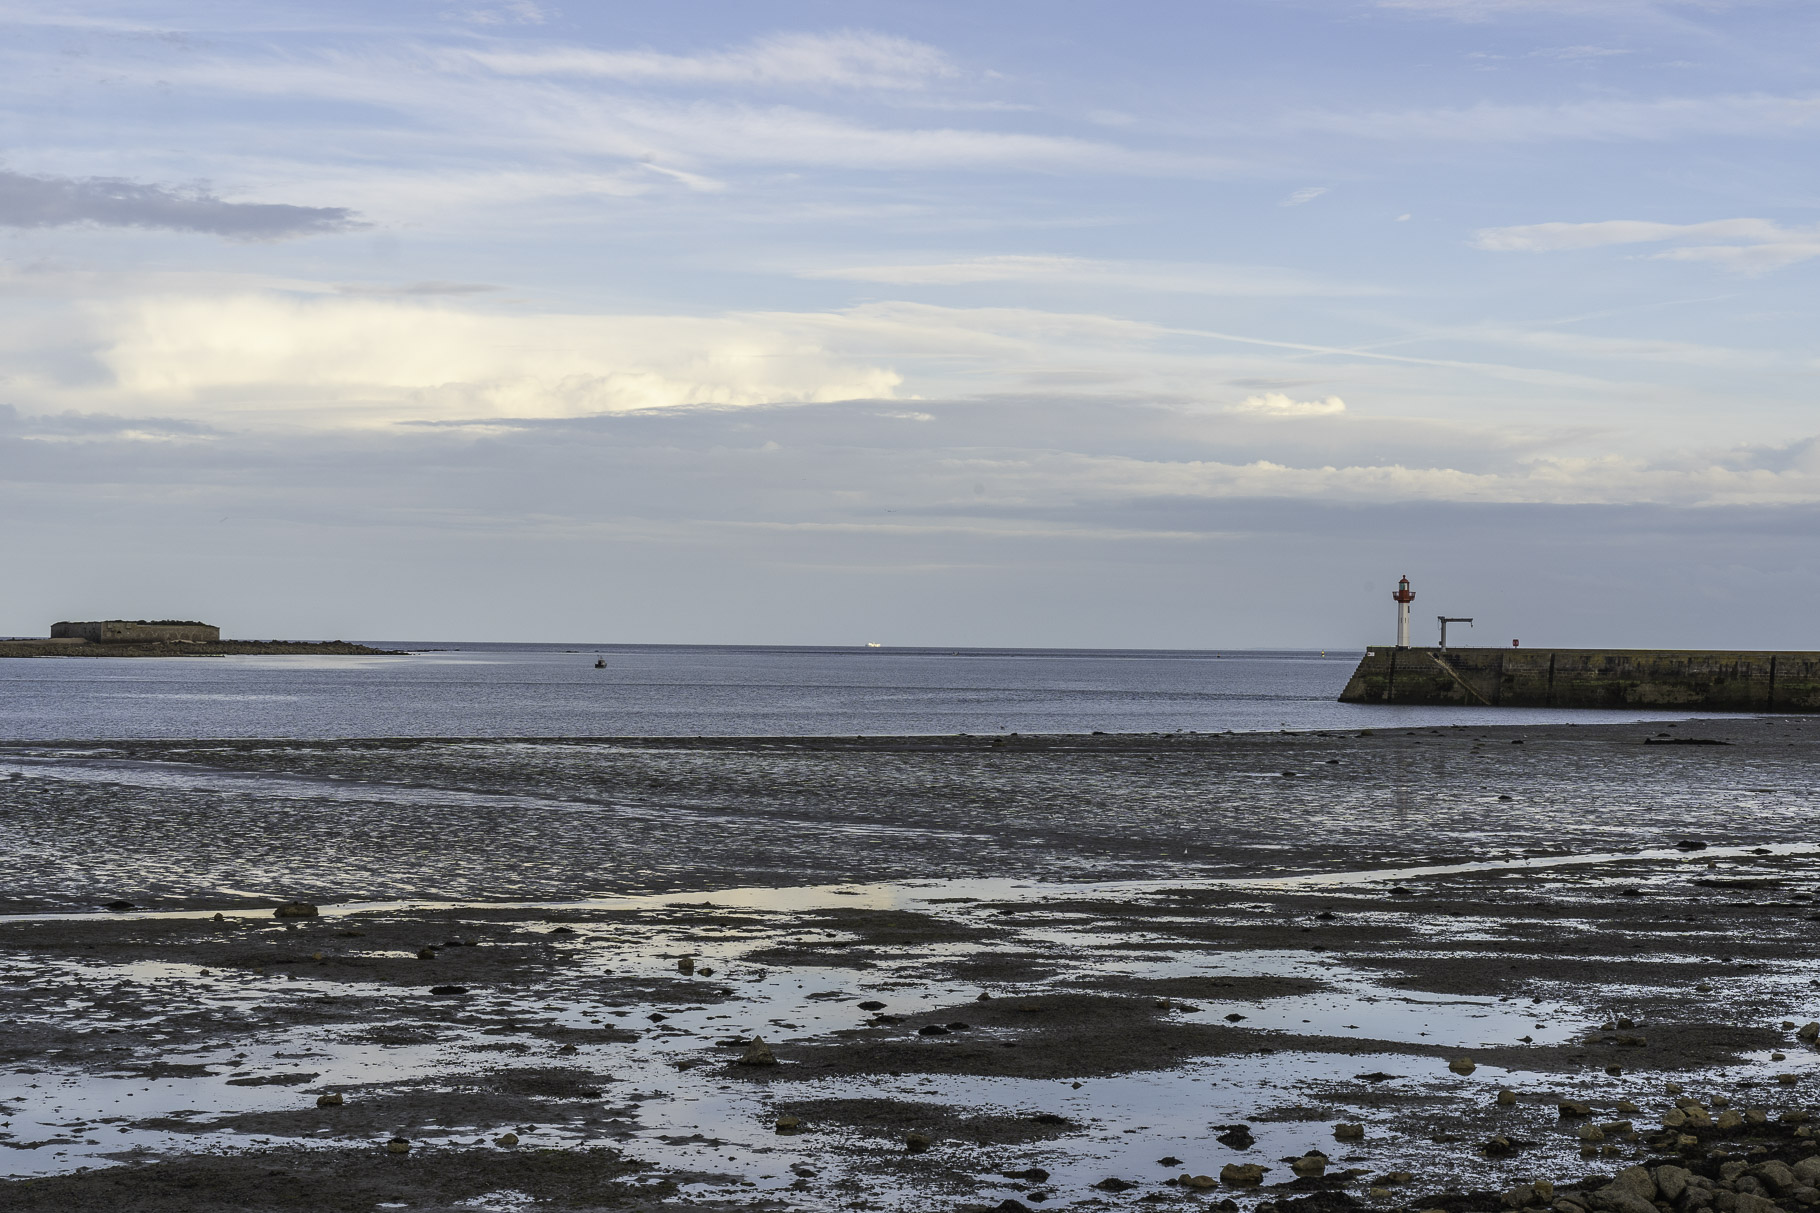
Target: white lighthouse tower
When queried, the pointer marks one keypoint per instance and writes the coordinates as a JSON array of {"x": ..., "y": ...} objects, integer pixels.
[{"x": 1403, "y": 597}]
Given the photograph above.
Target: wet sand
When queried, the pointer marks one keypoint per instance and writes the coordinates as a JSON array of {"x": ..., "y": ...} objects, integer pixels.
[{"x": 537, "y": 967}]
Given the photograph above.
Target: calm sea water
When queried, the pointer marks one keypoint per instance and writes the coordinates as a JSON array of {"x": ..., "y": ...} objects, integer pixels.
[{"x": 500, "y": 690}]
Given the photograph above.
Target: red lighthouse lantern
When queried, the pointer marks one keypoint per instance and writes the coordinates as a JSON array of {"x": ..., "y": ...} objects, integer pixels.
[{"x": 1403, "y": 597}]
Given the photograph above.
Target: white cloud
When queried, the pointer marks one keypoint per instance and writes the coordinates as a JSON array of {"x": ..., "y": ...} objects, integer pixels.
[
  {"x": 1276, "y": 404},
  {"x": 1571, "y": 54},
  {"x": 340, "y": 360},
  {"x": 511, "y": 12},
  {"x": 1174, "y": 277},
  {"x": 482, "y": 111},
  {"x": 853, "y": 59},
  {"x": 1750, "y": 246},
  {"x": 1485, "y": 10},
  {"x": 1755, "y": 115},
  {"x": 1303, "y": 195}
]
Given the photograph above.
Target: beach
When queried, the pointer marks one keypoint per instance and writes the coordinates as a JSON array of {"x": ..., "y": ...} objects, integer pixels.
[{"x": 535, "y": 969}]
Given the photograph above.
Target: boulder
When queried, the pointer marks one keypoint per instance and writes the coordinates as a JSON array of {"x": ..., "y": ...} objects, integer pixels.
[
  {"x": 918, "y": 1143},
  {"x": 398, "y": 1145},
  {"x": 506, "y": 1139},
  {"x": 1507, "y": 1098},
  {"x": 1241, "y": 1173},
  {"x": 1200, "y": 1183},
  {"x": 1520, "y": 1197},
  {"x": 295, "y": 909},
  {"x": 1573, "y": 1107},
  {"x": 1638, "y": 1180},
  {"x": 686, "y": 965},
  {"x": 1310, "y": 1166},
  {"x": 332, "y": 1100},
  {"x": 1810, "y": 1032},
  {"x": 788, "y": 1124},
  {"x": 1808, "y": 1171},
  {"x": 1633, "y": 1191},
  {"x": 1348, "y": 1132},
  {"x": 1462, "y": 1065},
  {"x": 758, "y": 1053},
  {"x": 1750, "y": 1202},
  {"x": 1729, "y": 1120},
  {"x": 1671, "y": 1181}
]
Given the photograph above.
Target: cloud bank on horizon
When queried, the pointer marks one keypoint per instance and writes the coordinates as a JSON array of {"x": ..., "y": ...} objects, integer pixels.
[{"x": 923, "y": 277}]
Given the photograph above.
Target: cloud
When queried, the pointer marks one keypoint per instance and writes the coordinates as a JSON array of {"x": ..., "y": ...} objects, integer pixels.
[
  {"x": 35, "y": 201},
  {"x": 375, "y": 360},
  {"x": 1747, "y": 246},
  {"x": 1174, "y": 277},
  {"x": 1276, "y": 404},
  {"x": 1303, "y": 195},
  {"x": 1754, "y": 115},
  {"x": 850, "y": 59},
  {"x": 418, "y": 289},
  {"x": 512, "y": 12},
  {"x": 459, "y": 98},
  {"x": 1573, "y": 54},
  {"x": 1485, "y": 10}
]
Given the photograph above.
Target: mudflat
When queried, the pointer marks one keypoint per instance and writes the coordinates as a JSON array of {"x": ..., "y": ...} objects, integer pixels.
[{"x": 1404, "y": 970}]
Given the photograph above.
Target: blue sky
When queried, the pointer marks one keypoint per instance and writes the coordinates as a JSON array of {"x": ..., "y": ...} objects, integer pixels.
[{"x": 1155, "y": 324}]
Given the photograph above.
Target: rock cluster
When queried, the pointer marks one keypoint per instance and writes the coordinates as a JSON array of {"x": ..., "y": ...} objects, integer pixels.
[{"x": 1719, "y": 1184}]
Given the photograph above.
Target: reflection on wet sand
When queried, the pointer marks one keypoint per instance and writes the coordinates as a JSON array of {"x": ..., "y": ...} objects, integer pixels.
[{"x": 1052, "y": 1042}]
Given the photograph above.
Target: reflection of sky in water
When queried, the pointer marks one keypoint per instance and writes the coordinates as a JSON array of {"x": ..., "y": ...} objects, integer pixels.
[
  {"x": 551, "y": 690},
  {"x": 1125, "y": 1122}
]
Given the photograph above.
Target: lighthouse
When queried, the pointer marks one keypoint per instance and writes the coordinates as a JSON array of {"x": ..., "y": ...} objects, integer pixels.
[{"x": 1403, "y": 597}]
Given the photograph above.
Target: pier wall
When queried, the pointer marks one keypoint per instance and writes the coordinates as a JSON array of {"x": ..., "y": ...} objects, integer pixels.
[{"x": 1716, "y": 681}]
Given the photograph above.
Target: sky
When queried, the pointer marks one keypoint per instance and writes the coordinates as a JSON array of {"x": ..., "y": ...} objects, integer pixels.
[{"x": 1155, "y": 324}]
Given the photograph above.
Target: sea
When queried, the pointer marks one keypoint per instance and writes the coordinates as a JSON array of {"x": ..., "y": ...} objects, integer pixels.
[{"x": 482, "y": 690}]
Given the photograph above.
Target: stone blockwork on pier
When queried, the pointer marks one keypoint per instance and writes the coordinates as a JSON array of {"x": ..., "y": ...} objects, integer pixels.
[{"x": 1589, "y": 678}]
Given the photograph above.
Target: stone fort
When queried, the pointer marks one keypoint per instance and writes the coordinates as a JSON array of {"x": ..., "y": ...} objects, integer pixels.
[{"x": 138, "y": 631}]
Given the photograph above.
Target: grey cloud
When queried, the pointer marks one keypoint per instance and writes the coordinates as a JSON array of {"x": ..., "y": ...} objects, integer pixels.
[
  {"x": 15, "y": 424},
  {"x": 761, "y": 527},
  {"x": 39, "y": 201}
]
